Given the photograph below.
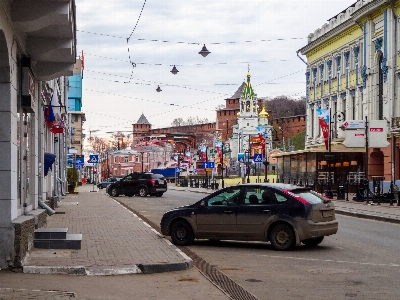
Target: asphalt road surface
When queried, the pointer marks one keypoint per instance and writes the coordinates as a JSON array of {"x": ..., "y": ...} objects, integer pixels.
[{"x": 361, "y": 261}]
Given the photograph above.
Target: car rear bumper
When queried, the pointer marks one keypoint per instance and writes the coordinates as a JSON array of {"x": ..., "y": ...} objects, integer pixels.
[
  {"x": 321, "y": 229},
  {"x": 158, "y": 189}
]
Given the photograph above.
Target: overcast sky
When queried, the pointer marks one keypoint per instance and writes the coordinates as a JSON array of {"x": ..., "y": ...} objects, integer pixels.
[{"x": 264, "y": 34}]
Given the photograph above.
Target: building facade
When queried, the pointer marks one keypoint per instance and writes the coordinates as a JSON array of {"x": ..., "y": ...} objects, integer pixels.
[
  {"x": 353, "y": 72},
  {"x": 34, "y": 58}
]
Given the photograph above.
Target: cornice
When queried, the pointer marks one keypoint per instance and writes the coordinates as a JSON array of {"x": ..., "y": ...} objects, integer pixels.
[
  {"x": 356, "y": 16},
  {"x": 322, "y": 39},
  {"x": 368, "y": 8}
]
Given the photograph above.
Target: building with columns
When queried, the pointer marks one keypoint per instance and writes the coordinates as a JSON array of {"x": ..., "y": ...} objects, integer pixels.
[
  {"x": 353, "y": 70},
  {"x": 37, "y": 53}
]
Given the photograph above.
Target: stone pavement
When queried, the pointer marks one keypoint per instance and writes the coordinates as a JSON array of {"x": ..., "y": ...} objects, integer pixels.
[
  {"x": 383, "y": 212},
  {"x": 115, "y": 240}
]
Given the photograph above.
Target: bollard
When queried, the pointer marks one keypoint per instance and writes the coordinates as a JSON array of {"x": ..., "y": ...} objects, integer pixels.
[{"x": 340, "y": 192}]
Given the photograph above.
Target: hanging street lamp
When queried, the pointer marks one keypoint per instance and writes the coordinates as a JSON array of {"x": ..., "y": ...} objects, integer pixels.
[
  {"x": 204, "y": 52},
  {"x": 174, "y": 70}
]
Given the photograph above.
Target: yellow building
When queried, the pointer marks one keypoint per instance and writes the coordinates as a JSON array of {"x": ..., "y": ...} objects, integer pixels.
[{"x": 353, "y": 73}]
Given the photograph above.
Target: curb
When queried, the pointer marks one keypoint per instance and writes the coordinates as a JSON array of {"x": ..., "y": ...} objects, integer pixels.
[
  {"x": 367, "y": 216},
  {"x": 108, "y": 271}
]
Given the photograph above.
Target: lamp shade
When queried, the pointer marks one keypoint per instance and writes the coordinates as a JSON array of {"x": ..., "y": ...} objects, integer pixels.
[
  {"x": 204, "y": 52},
  {"x": 174, "y": 70},
  {"x": 353, "y": 163},
  {"x": 323, "y": 163}
]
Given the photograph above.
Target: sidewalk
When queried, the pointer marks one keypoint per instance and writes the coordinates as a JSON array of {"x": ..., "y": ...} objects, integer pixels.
[
  {"x": 114, "y": 240},
  {"x": 383, "y": 212}
]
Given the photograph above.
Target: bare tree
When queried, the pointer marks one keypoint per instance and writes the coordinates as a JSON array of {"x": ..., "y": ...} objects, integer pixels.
[{"x": 177, "y": 122}]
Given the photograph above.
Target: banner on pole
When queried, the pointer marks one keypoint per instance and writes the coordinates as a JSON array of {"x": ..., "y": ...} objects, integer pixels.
[{"x": 324, "y": 122}]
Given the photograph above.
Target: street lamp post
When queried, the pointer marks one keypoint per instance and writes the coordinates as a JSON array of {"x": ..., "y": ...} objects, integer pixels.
[
  {"x": 248, "y": 162},
  {"x": 142, "y": 152}
]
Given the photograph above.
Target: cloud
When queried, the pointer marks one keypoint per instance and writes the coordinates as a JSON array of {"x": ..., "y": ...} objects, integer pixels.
[{"x": 264, "y": 35}]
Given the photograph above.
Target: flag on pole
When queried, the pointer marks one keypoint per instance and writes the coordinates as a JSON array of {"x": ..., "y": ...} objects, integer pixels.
[
  {"x": 49, "y": 114},
  {"x": 324, "y": 122}
]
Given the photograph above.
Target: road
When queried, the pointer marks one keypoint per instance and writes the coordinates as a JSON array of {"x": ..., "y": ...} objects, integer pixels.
[{"x": 361, "y": 261}]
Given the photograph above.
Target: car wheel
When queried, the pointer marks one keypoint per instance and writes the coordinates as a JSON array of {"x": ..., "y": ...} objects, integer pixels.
[
  {"x": 313, "y": 241},
  {"x": 181, "y": 233},
  {"x": 114, "y": 192},
  {"x": 143, "y": 191},
  {"x": 282, "y": 237},
  {"x": 159, "y": 194}
]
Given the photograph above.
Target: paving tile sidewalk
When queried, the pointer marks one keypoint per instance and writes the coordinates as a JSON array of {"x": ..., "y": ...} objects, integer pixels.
[
  {"x": 115, "y": 241},
  {"x": 383, "y": 212}
]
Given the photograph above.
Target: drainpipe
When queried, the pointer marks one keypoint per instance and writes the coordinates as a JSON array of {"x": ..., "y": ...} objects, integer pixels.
[
  {"x": 305, "y": 137},
  {"x": 301, "y": 58},
  {"x": 393, "y": 141},
  {"x": 43, "y": 205}
]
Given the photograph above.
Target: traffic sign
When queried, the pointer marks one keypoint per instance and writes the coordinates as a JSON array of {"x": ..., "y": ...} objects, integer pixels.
[
  {"x": 79, "y": 160},
  {"x": 354, "y": 124},
  {"x": 94, "y": 158},
  {"x": 208, "y": 165},
  {"x": 241, "y": 157},
  {"x": 258, "y": 158}
]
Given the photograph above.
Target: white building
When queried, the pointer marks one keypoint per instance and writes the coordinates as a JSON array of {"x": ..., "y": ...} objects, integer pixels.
[{"x": 37, "y": 47}]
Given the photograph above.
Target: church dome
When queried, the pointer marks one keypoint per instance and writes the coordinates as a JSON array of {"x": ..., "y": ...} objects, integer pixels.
[{"x": 263, "y": 114}]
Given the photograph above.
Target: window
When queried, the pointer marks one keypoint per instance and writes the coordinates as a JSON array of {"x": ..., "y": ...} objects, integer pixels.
[
  {"x": 126, "y": 159},
  {"x": 226, "y": 197},
  {"x": 263, "y": 196}
]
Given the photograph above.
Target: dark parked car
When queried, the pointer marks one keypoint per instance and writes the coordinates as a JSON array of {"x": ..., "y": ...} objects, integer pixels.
[
  {"x": 141, "y": 184},
  {"x": 286, "y": 215},
  {"x": 107, "y": 182}
]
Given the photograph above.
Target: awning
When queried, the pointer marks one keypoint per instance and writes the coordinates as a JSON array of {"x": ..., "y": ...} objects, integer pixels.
[{"x": 49, "y": 159}]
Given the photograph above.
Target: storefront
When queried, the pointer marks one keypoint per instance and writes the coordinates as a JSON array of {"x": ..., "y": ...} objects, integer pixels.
[{"x": 313, "y": 168}]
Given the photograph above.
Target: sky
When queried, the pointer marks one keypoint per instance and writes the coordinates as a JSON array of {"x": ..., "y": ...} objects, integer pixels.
[{"x": 130, "y": 47}]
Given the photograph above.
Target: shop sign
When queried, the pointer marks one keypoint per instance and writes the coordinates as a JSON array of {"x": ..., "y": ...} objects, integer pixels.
[
  {"x": 355, "y": 138},
  {"x": 377, "y": 134},
  {"x": 354, "y": 124}
]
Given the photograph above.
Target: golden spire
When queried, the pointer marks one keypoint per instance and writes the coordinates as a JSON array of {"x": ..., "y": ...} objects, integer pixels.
[{"x": 263, "y": 113}]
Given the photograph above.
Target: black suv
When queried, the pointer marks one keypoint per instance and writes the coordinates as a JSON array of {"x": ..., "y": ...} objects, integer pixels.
[{"x": 138, "y": 183}]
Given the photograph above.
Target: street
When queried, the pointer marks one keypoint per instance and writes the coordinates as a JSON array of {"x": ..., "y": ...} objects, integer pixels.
[{"x": 361, "y": 261}]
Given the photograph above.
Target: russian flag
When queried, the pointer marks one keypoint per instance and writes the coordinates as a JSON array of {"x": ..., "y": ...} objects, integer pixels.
[{"x": 50, "y": 117}]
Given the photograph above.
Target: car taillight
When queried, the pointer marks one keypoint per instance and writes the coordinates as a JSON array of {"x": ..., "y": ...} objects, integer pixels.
[
  {"x": 152, "y": 181},
  {"x": 297, "y": 197}
]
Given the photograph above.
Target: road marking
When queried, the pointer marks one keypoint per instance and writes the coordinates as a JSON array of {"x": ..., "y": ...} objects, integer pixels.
[{"x": 335, "y": 261}]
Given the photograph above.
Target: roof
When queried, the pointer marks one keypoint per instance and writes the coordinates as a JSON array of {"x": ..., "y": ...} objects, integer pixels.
[
  {"x": 142, "y": 120},
  {"x": 239, "y": 92},
  {"x": 248, "y": 92}
]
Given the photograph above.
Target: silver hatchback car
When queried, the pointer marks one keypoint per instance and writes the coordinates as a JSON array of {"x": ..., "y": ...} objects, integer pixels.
[{"x": 286, "y": 215}]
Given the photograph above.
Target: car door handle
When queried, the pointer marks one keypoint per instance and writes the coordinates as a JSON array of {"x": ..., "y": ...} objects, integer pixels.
[
  {"x": 228, "y": 212},
  {"x": 265, "y": 210}
]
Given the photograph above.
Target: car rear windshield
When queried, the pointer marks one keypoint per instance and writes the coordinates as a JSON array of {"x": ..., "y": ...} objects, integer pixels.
[
  {"x": 157, "y": 176},
  {"x": 311, "y": 196}
]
